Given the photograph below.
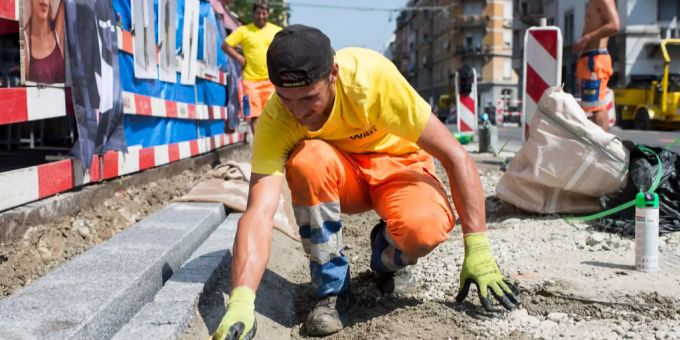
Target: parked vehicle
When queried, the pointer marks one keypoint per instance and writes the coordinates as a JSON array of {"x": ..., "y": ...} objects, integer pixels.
[{"x": 649, "y": 102}]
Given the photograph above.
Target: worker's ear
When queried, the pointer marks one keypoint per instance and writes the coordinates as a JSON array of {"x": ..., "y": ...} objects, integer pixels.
[{"x": 333, "y": 76}]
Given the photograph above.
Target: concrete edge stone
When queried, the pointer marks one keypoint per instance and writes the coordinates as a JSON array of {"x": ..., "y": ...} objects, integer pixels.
[
  {"x": 103, "y": 317},
  {"x": 173, "y": 308}
]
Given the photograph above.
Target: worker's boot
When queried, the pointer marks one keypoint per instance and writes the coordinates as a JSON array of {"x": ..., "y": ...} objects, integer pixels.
[
  {"x": 400, "y": 281},
  {"x": 325, "y": 318}
]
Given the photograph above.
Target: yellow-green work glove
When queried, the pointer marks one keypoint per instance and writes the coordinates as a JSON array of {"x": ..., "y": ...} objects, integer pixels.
[
  {"x": 239, "y": 322},
  {"x": 480, "y": 268}
]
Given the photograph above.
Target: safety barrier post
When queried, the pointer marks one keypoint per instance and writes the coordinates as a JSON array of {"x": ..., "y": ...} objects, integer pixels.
[
  {"x": 542, "y": 64},
  {"x": 466, "y": 107}
]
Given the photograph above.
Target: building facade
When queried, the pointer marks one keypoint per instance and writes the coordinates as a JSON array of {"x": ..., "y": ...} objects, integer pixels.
[
  {"x": 436, "y": 37},
  {"x": 634, "y": 49}
]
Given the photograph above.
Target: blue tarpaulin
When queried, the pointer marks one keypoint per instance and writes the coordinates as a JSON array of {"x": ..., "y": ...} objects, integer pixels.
[{"x": 150, "y": 131}]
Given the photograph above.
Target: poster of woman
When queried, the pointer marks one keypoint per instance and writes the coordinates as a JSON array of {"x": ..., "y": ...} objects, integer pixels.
[{"x": 42, "y": 42}]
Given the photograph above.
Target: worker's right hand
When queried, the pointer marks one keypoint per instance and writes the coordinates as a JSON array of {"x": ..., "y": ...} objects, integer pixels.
[
  {"x": 480, "y": 268},
  {"x": 239, "y": 322}
]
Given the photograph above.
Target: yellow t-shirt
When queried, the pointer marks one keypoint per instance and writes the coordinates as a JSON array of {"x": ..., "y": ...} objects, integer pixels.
[
  {"x": 254, "y": 42},
  {"x": 375, "y": 110}
]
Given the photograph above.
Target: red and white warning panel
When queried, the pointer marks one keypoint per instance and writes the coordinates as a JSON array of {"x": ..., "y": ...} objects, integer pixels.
[
  {"x": 542, "y": 67},
  {"x": 117, "y": 163},
  {"x": 137, "y": 104},
  {"x": 29, "y": 184},
  {"x": 22, "y": 104},
  {"x": 466, "y": 106}
]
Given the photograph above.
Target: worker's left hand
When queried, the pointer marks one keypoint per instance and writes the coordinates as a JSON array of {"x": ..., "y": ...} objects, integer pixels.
[
  {"x": 239, "y": 322},
  {"x": 480, "y": 268}
]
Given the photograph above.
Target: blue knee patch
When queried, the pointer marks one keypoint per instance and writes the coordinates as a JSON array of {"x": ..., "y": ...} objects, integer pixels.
[{"x": 320, "y": 235}]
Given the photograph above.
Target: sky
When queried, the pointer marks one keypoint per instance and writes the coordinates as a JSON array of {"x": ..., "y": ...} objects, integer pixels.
[{"x": 349, "y": 28}]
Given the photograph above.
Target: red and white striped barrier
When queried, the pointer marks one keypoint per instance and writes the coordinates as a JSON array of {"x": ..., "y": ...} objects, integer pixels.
[
  {"x": 137, "y": 104},
  {"x": 542, "y": 67},
  {"x": 29, "y": 184},
  {"x": 466, "y": 107},
  {"x": 22, "y": 104},
  {"x": 25, "y": 185},
  {"x": 9, "y": 9},
  {"x": 511, "y": 114},
  {"x": 117, "y": 163},
  {"x": 126, "y": 43}
]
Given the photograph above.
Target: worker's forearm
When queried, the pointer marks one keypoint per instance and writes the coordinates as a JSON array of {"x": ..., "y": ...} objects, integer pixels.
[
  {"x": 467, "y": 192},
  {"x": 231, "y": 52},
  {"x": 251, "y": 252}
]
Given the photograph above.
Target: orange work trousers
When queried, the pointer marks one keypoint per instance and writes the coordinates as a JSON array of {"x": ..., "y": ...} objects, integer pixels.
[
  {"x": 404, "y": 190},
  {"x": 593, "y": 70},
  {"x": 258, "y": 92}
]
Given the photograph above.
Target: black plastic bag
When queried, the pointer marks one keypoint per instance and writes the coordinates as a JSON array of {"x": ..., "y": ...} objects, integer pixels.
[{"x": 643, "y": 169}]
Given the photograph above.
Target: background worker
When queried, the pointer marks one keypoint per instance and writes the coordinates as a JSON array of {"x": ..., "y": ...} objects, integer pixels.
[
  {"x": 351, "y": 135},
  {"x": 254, "y": 40},
  {"x": 594, "y": 66}
]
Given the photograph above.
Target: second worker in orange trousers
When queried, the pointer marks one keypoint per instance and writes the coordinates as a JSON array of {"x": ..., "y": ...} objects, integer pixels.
[{"x": 350, "y": 134}]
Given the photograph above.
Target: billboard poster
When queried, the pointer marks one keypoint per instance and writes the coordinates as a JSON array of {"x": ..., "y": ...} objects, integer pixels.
[
  {"x": 190, "y": 42},
  {"x": 42, "y": 42},
  {"x": 167, "y": 30},
  {"x": 210, "y": 47},
  {"x": 95, "y": 81},
  {"x": 144, "y": 32}
]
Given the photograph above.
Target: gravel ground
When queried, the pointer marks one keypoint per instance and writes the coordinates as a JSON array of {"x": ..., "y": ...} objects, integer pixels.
[{"x": 575, "y": 283}]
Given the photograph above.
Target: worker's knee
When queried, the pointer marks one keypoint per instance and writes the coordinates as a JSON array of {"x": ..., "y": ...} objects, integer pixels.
[
  {"x": 418, "y": 235},
  {"x": 309, "y": 156},
  {"x": 312, "y": 171}
]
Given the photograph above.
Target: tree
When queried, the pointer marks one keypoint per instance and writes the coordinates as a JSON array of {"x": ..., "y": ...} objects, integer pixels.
[{"x": 279, "y": 11}]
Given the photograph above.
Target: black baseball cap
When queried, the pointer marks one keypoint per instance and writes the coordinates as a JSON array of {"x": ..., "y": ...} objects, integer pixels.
[{"x": 298, "y": 56}]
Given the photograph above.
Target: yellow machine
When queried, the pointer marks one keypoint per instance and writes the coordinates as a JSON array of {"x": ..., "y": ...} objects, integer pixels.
[
  {"x": 654, "y": 104},
  {"x": 445, "y": 102}
]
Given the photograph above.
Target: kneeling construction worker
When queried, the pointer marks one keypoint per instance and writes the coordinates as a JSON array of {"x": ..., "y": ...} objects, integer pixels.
[{"x": 350, "y": 135}]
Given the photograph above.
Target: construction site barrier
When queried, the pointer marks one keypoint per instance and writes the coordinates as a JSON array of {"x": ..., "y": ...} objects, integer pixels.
[
  {"x": 466, "y": 107},
  {"x": 25, "y": 185},
  {"x": 187, "y": 115},
  {"x": 542, "y": 64}
]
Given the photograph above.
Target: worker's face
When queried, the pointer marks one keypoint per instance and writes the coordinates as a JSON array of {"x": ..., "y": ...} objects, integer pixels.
[
  {"x": 40, "y": 9},
  {"x": 260, "y": 16},
  {"x": 311, "y": 105}
]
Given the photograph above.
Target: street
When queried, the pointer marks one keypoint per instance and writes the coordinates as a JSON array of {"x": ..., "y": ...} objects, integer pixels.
[{"x": 513, "y": 133}]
